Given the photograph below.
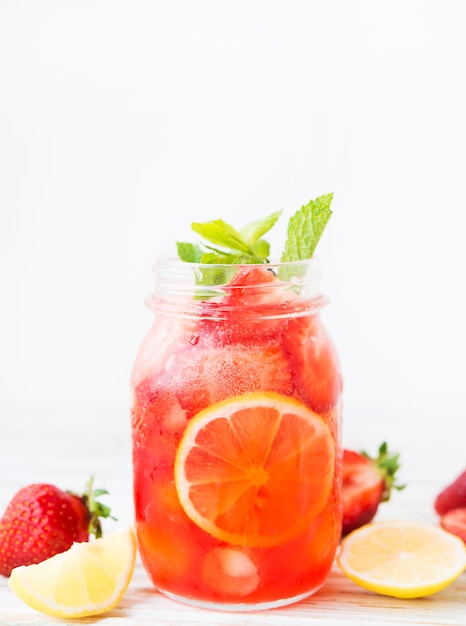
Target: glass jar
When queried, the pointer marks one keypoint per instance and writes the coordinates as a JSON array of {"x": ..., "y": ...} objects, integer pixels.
[{"x": 236, "y": 414}]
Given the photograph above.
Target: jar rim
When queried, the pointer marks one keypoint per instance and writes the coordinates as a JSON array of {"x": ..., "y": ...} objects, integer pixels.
[
  {"x": 177, "y": 280},
  {"x": 169, "y": 262}
]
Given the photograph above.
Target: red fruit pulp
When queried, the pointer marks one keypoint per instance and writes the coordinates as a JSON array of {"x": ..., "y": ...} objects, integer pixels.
[
  {"x": 312, "y": 356},
  {"x": 454, "y": 521},
  {"x": 362, "y": 490}
]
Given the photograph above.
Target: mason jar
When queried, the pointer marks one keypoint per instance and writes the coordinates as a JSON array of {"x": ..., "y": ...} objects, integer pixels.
[{"x": 236, "y": 417}]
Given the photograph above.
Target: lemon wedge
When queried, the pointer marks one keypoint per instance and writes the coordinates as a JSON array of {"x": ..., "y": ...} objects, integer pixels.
[
  {"x": 88, "y": 579},
  {"x": 402, "y": 559}
]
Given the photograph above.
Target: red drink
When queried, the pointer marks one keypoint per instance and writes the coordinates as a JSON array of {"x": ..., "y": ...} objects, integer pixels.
[{"x": 236, "y": 437}]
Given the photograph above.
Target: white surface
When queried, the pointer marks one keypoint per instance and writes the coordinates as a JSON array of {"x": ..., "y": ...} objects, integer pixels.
[{"x": 124, "y": 120}]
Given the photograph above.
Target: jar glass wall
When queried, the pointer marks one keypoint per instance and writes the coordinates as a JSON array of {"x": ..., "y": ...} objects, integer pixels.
[{"x": 236, "y": 416}]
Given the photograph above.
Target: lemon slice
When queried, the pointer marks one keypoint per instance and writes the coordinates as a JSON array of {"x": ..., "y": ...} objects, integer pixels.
[
  {"x": 253, "y": 470},
  {"x": 88, "y": 579},
  {"x": 402, "y": 559}
]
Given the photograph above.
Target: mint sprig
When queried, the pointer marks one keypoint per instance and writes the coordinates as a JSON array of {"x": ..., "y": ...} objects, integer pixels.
[
  {"x": 222, "y": 244},
  {"x": 230, "y": 246},
  {"x": 305, "y": 228}
]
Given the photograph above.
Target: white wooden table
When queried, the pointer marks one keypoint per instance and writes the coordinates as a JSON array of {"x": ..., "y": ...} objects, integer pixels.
[{"x": 65, "y": 446}]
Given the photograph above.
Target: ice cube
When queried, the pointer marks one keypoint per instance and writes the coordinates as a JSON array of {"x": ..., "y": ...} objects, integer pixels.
[{"x": 230, "y": 572}]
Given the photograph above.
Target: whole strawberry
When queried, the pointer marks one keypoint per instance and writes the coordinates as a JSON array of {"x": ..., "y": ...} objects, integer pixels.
[
  {"x": 453, "y": 496},
  {"x": 366, "y": 483},
  {"x": 42, "y": 520}
]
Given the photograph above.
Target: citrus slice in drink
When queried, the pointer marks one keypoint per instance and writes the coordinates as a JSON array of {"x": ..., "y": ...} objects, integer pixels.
[
  {"x": 88, "y": 579},
  {"x": 253, "y": 470},
  {"x": 402, "y": 559}
]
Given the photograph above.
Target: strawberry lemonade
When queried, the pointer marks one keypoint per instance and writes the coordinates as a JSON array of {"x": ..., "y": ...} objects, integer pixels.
[{"x": 236, "y": 435}]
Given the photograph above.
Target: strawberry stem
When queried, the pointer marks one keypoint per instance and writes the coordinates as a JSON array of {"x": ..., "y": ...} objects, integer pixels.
[
  {"x": 95, "y": 509},
  {"x": 387, "y": 464}
]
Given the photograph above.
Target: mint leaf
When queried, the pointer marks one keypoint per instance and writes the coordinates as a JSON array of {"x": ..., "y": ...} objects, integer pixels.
[
  {"x": 261, "y": 249},
  {"x": 224, "y": 258},
  {"x": 188, "y": 252},
  {"x": 253, "y": 231},
  {"x": 305, "y": 229},
  {"x": 213, "y": 275},
  {"x": 221, "y": 234},
  {"x": 220, "y": 275},
  {"x": 219, "y": 257}
]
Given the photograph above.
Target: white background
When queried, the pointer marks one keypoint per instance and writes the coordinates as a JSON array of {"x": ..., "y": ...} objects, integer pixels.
[{"x": 122, "y": 121}]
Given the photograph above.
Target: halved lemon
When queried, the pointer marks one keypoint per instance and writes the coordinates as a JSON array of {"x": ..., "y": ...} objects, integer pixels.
[
  {"x": 402, "y": 559},
  {"x": 253, "y": 470},
  {"x": 88, "y": 579}
]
